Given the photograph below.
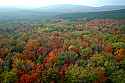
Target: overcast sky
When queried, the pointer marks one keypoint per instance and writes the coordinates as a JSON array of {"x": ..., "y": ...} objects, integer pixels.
[{"x": 42, "y": 3}]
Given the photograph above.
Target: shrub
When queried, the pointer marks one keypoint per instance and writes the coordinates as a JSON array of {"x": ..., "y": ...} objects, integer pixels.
[
  {"x": 8, "y": 77},
  {"x": 77, "y": 74},
  {"x": 118, "y": 76},
  {"x": 67, "y": 57},
  {"x": 106, "y": 61},
  {"x": 118, "y": 45},
  {"x": 49, "y": 74}
]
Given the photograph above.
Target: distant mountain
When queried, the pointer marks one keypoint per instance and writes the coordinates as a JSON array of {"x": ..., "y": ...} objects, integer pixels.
[
  {"x": 114, "y": 14},
  {"x": 9, "y": 9},
  {"x": 23, "y": 15},
  {"x": 71, "y": 12},
  {"x": 110, "y": 8},
  {"x": 68, "y": 8},
  {"x": 64, "y": 8}
]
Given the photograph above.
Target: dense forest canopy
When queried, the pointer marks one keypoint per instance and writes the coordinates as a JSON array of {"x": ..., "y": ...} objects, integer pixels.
[{"x": 37, "y": 47}]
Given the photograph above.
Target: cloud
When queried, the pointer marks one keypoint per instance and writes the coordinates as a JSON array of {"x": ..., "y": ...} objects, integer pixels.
[{"x": 40, "y": 3}]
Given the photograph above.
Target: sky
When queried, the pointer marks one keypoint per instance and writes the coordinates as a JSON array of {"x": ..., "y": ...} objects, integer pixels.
[{"x": 42, "y": 3}]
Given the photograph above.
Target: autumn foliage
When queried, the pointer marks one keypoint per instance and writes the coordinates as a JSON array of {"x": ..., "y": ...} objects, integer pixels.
[{"x": 64, "y": 52}]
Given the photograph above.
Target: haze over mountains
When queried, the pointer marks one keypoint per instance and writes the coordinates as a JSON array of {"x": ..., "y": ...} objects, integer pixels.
[
  {"x": 65, "y": 8},
  {"x": 114, "y": 14},
  {"x": 63, "y": 11}
]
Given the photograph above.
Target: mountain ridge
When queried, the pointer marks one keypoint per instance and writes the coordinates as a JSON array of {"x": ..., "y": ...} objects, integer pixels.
[
  {"x": 114, "y": 14},
  {"x": 66, "y": 8}
]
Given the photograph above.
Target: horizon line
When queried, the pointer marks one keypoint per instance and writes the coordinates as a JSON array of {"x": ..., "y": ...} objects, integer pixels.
[{"x": 33, "y": 7}]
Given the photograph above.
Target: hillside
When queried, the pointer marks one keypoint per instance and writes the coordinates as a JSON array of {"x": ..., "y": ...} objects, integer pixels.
[
  {"x": 62, "y": 52},
  {"x": 70, "y": 12},
  {"x": 62, "y": 44},
  {"x": 115, "y": 14},
  {"x": 68, "y": 8}
]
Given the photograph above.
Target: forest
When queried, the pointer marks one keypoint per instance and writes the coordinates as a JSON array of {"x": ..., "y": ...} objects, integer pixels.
[{"x": 87, "y": 51}]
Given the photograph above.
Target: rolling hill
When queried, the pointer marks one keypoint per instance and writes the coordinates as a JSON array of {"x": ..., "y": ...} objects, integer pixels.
[
  {"x": 68, "y": 8},
  {"x": 71, "y": 12},
  {"x": 114, "y": 14}
]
